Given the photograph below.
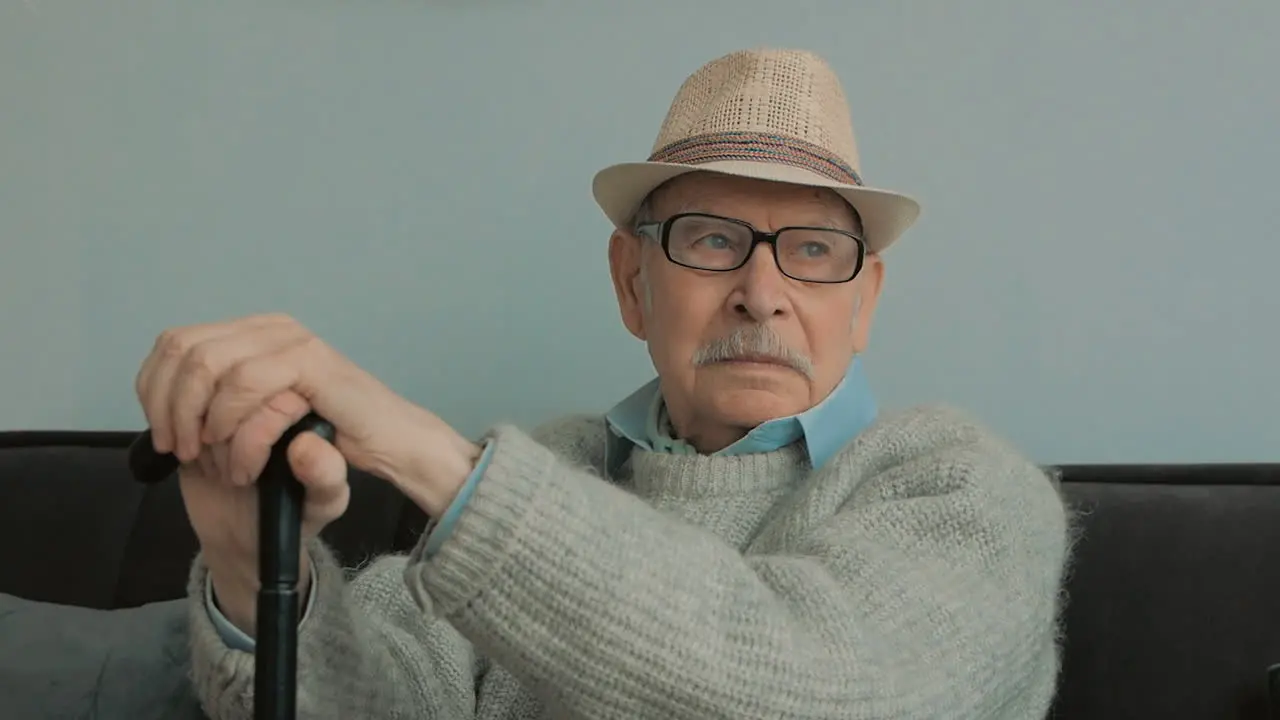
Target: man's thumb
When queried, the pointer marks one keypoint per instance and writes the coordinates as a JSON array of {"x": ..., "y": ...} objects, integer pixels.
[{"x": 319, "y": 467}]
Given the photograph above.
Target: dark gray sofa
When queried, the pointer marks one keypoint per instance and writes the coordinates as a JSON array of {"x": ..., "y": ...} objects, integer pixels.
[{"x": 1173, "y": 603}]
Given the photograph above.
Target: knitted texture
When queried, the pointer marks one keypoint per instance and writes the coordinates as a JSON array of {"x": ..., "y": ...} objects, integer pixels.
[{"x": 916, "y": 575}]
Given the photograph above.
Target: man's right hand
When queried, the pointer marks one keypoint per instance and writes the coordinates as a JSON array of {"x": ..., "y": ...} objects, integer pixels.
[
  {"x": 219, "y": 485},
  {"x": 221, "y": 497}
]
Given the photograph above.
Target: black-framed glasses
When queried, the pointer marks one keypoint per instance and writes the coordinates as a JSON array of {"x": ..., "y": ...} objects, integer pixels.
[{"x": 720, "y": 244}]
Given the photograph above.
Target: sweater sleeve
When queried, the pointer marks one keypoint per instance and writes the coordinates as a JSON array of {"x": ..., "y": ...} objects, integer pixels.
[
  {"x": 929, "y": 590},
  {"x": 364, "y": 650}
]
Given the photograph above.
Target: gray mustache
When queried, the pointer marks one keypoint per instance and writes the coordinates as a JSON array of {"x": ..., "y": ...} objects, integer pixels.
[{"x": 751, "y": 340}]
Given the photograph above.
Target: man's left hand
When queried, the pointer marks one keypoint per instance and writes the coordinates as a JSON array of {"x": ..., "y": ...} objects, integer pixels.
[{"x": 202, "y": 382}]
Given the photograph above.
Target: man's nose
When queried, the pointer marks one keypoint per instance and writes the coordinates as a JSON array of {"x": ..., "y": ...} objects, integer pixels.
[{"x": 761, "y": 290}]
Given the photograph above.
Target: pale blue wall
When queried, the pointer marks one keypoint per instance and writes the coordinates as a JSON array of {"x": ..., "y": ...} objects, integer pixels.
[{"x": 1093, "y": 272}]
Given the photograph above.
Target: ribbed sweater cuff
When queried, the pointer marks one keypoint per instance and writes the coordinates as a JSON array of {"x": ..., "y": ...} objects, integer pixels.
[
  {"x": 224, "y": 675},
  {"x": 490, "y": 526}
]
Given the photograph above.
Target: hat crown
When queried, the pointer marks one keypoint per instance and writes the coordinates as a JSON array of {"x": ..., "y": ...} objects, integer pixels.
[{"x": 788, "y": 95}]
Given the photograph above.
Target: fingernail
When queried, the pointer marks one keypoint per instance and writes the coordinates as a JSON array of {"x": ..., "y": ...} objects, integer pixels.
[{"x": 159, "y": 442}]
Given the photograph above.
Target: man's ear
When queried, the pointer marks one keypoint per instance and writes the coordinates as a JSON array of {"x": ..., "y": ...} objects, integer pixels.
[
  {"x": 624, "y": 267},
  {"x": 869, "y": 282}
]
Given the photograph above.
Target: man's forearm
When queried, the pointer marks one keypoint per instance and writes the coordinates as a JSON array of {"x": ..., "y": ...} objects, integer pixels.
[{"x": 679, "y": 623}]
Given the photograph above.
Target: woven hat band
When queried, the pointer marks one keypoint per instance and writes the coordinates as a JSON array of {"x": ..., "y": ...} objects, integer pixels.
[{"x": 712, "y": 147}]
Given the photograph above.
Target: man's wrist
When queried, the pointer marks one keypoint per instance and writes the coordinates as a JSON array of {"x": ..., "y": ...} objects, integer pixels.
[
  {"x": 435, "y": 466},
  {"x": 235, "y": 593},
  {"x": 237, "y": 600},
  {"x": 428, "y": 460},
  {"x": 437, "y": 478}
]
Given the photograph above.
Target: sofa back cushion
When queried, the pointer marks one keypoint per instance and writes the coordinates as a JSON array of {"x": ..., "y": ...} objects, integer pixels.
[
  {"x": 76, "y": 529},
  {"x": 1173, "y": 601}
]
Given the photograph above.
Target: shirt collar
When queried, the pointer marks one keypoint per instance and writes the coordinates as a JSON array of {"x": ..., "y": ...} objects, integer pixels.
[{"x": 825, "y": 427}]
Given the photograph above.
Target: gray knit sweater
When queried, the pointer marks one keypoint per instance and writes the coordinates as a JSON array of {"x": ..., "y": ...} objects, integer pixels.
[{"x": 916, "y": 575}]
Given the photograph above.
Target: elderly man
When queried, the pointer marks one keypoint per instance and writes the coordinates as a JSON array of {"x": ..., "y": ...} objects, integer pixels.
[{"x": 741, "y": 538}]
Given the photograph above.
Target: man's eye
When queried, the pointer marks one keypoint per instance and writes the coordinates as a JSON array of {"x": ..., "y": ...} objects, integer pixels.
[{"x": 714, "y": 242}]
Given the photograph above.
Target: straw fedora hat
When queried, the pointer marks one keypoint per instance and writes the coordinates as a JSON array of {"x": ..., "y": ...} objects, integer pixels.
[{"x": 770, "y": 114}]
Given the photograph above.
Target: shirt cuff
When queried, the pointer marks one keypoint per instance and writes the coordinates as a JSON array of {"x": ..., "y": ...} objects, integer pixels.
[
  {"x": 440, "y": 531},
  {"x": 234, "y": 637}
]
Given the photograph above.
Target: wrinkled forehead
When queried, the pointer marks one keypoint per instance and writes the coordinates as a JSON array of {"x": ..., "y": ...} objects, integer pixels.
[{"x": 744, "y": 197}]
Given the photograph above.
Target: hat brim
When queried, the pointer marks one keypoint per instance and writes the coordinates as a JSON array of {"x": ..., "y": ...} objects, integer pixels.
[{"x": 886, "y": 215}]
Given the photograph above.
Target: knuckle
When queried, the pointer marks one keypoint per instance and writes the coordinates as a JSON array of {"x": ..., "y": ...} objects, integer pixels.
[
  {"x": 286, "y": 406},
  {"x": 239, "y": 378},
  {"x": 276, "y": 318},
  {"x": 264, "y": 426},
  {"x": 316, "y": 354},
  {"x": 306, "y": 343},
  {"x": 172, "y": 343},
  {"x": 311, "y": 345},
  {"x": 198, "y": 362}
]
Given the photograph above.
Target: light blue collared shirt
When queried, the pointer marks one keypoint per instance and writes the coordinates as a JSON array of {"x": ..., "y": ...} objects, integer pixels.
[
  {"x": 824, "y": 428},
  {"x": 234, "y": 637}
]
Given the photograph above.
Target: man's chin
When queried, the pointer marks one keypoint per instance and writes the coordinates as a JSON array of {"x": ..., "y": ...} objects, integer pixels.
[{"x": 748, "y": 404}]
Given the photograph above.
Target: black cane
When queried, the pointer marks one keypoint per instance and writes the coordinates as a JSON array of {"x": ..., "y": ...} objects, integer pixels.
[{"x": 280, "y": 498}]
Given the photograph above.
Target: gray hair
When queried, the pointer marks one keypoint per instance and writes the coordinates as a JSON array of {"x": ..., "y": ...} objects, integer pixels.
[
  {"x": 753, "y": 341},
  {"x": 643, "y": 213}
]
